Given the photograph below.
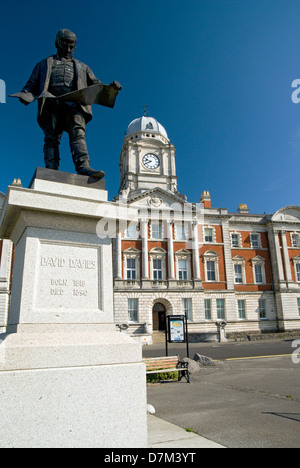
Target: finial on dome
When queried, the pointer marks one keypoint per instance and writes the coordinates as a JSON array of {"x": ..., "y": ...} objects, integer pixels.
[{"x": 145, "y": 110}]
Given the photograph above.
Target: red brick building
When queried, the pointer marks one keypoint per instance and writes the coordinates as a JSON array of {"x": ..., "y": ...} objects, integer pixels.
[{"x": 192, "y": 258}]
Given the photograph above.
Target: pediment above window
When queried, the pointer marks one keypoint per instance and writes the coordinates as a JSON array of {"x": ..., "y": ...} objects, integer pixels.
[
  {"x": 131, "y": 250},
  {"x": 210, "y": 254},
  {"x": 258, "y": 259},
  {"x": 183, "y": 253},
  {"x": 238, "y": 258},
  {"x": 157, "y": 250}
]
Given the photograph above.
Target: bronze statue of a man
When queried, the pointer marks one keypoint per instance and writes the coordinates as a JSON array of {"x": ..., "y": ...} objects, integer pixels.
[{"x": 56, "y": 76}]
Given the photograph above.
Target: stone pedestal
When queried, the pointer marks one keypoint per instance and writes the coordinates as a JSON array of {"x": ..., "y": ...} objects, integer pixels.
[
  {"x": 67, "y": 377},
  {"x": 221, "y": 324}
]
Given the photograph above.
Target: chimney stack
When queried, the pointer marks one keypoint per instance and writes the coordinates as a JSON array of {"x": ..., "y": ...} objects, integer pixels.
[
  {"x": 243, "y": 208},
  {"x": 206, "y": 199}
]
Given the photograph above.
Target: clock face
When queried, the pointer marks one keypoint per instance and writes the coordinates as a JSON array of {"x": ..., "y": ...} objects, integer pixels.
[{"x": 151, "y": 161}]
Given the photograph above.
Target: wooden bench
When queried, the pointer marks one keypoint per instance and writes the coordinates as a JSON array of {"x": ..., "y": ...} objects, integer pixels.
[{"x": 160, "y": 365}]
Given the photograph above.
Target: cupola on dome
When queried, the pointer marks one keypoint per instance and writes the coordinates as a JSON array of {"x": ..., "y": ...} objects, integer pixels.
[{"x": 146, "y": 124}]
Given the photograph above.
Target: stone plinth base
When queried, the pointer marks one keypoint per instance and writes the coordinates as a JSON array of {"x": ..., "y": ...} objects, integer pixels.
[
  {"x": 67, "y": 386},
  {"x": 73, "y": 407},
  {"x": 68, "y": 379}
]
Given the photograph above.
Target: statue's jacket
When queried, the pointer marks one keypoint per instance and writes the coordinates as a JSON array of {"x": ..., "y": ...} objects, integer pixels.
[{"x": 40, "y": 79}]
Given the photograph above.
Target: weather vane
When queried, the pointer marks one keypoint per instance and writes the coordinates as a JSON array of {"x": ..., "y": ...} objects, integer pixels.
[{"x": 145, "y": 110}]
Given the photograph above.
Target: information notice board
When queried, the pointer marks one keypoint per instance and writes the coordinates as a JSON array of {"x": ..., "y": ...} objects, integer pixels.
[
  {"x": 176, "y": 327},
  {"x": 176, "y": 331}
]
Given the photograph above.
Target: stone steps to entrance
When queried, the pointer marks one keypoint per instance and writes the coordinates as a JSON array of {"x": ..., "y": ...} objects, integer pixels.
[{"x": 158, "y": 337}]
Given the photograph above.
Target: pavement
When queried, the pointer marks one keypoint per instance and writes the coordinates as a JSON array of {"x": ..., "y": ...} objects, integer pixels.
[
  {"x": 244, "y": 403},
  {"x": 162, "y": 434}
]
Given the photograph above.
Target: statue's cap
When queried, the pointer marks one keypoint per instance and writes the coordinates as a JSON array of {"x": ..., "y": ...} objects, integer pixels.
[{"x": 65, "y": 33}]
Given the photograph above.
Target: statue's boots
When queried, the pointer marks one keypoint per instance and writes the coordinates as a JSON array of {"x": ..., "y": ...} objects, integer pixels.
[
  {"x": 82, "y": 165},
  {"x": 51, "y": 158},
  {"x": 88, "y": 171}
]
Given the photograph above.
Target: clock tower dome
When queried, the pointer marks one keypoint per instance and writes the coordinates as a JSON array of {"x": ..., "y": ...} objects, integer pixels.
[{"x": 147, "y": 158}]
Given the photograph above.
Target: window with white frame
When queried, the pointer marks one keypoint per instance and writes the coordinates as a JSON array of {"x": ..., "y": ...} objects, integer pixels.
[
  {"x": 211, "y": 259},
  {"x": 158, "y": 264},
  {"x": 187, "y": 308},
  {"x": 255, "y": 240},
  {"x": 211, "y": 270},
  {"x": 238, "y": 273},
  {"x": 183, "y": 265},
  {"x": 207, "y": 309},
  {"x": 298, "y": 272},
  {"x": 298, "y": 301},
  {"x": 208, "y": 234},
  {"x": 262, "y": 309},
  {"x": 221, "y": 315},
  {"x": 295, "y": 240},
  {"x": 258, "y": 273},
  {"x": 131, "y": 261},
  {"x": 296, "y": 262},
  {"x": 157, "y": 269},
  {"x": 239, "y": 270},
  {"x": 132, "y": 232},
  {"x": 182, "y": 270},
  {"x": 236, "y": 240},
  {"x": 131, "y": 269},
  {"x": 242, "y": 309},
  {"x": 133, "y": 310},
  {"x": 258, "y": 266},
  {"x": 181, "y": 231},
  {"x": 156, "y": 230}
]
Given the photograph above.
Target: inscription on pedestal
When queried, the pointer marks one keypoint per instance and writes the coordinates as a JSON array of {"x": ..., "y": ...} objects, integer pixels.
[{"x": 68, "y": 277}]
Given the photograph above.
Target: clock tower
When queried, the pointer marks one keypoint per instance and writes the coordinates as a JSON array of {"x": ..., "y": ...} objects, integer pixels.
[{"x": 147, "y": 158}]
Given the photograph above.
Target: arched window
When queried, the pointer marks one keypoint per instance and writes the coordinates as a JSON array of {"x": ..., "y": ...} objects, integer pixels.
[{"x": 211, "y": 262}]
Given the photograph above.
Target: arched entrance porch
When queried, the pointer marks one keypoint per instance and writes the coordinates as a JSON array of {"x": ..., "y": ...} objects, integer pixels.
[{"x": 159, "y": 317}]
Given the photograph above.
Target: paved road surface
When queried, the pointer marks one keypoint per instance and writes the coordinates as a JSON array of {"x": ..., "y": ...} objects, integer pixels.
[
  {"x": 224, "y": 350},
  {"x": 238, "y": 403}
]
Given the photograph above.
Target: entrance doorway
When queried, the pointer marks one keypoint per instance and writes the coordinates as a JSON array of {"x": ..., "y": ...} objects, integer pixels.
[{"x": 159, "y": 317}]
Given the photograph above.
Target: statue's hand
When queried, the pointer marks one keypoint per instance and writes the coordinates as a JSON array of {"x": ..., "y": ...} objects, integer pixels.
[
  {"x": 116, "y": 85},
  {"x": 24, "y": 102}
]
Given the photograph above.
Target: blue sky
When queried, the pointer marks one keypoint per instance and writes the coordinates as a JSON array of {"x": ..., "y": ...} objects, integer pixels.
[{"x": 216, "y": 73}]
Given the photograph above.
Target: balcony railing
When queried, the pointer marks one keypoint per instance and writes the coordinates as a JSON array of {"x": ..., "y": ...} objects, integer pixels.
[{"x": 156, "y": 284}]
